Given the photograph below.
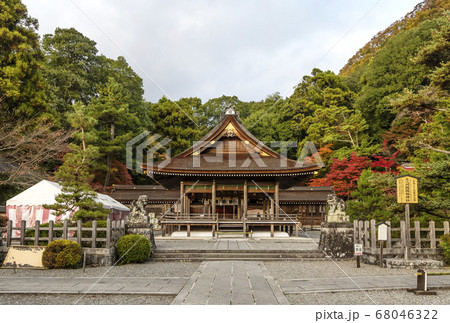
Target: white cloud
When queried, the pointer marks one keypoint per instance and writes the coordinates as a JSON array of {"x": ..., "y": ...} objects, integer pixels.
[{"x": 209, "y": 48}]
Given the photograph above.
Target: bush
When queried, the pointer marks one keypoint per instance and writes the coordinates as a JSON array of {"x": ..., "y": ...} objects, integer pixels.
[
  {"x": 62, "y": 254},
  {"x": 3, "y": 221},
  {"x": 445, "y": 244},
  {"x": 133, "y": 248}
]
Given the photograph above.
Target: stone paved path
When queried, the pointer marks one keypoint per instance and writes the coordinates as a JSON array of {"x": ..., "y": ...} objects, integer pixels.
[
  {"x": 231, "y": 282},
  {"x": 298, "y": 286},
  {"x": 81, "y": 285},
  {"x": 232, "y": 245}
]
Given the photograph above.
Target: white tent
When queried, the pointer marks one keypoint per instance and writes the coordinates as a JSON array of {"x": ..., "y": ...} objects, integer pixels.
[{"x": 28, "y": 205}]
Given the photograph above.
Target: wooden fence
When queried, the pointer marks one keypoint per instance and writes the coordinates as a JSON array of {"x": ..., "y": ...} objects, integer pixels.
[
  {"x": 91, "y": 237},
  {"x": 424, "y": 240}
]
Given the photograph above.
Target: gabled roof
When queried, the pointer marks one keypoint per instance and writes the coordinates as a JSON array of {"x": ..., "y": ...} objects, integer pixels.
[{"x": 229, "y": 149}]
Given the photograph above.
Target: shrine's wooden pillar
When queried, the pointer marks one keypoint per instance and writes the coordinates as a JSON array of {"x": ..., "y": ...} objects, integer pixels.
[
  {"x": 271, "y": 208},
  {"x": 277, "y": 200},
  {"x": 213, "y": 197},
  {"x": 244, "y": 211},
  {"x": 182, "y": 204}
]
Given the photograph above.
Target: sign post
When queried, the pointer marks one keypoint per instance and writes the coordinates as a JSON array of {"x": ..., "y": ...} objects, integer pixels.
[
  {"x": 406, "y": 194},
  {"x": 382, "y": 237},
  {"x": 358, "y": 254}
]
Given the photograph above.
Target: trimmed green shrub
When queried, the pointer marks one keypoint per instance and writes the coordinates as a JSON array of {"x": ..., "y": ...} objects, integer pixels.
[
  {"x": 445, "y": 244},
  {"x": 62, "y": 254},
  {"x": 133, "y": 248},
  {"x": 3, "y": 221}
]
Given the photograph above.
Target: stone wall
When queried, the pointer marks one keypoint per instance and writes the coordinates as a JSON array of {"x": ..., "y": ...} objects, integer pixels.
[
  {"x": 336, "y": 239},
  {"x": 100, "y": 256}
]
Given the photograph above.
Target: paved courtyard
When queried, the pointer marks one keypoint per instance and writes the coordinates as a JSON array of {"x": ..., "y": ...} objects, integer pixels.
[{"x": 221, "y": 282}]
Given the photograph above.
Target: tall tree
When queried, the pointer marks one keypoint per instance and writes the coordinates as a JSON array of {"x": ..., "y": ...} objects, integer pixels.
[
  {"x": 176, "y": 121},
  {"x": 21, "y": 82},
  {"x": 75, "y": 174},
  {"x": 72, "y": 68},
  {"x": 116, "y": 124}
]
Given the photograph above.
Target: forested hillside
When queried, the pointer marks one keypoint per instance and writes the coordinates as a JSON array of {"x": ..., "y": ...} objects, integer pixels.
[{"x": 62, "y": 103}]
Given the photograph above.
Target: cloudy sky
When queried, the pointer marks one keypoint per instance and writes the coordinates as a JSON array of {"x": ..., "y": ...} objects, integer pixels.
[{"x": 248, "y": 48}]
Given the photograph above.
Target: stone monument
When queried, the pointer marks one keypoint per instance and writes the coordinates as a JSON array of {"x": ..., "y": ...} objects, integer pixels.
[
  {"x": 336, "y": 233},
  {"x": 138, "y": 222},
  {"x": 336, "y": 210}
]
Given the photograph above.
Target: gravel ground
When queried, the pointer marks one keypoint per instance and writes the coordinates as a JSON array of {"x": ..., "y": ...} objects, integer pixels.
[
  {"x": 392, "y": 297},
  {"x": 148, "y": 269},
  {"x": 330, "y": 269},
  {"x": 86, "y": 300}
]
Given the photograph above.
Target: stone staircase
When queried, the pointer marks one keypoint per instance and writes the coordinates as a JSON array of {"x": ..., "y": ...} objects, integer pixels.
[{"x": 244, "y": 254}]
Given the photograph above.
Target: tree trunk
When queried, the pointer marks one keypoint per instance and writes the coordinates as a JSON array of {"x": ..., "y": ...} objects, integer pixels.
[{"x": 109, "y": 160}]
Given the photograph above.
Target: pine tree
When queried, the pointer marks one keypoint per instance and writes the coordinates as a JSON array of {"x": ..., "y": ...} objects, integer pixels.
[{"x": 75, "y": 174}]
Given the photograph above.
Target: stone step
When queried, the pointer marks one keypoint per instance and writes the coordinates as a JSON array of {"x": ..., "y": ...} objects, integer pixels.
[
  {"x": 243, "y": 251},
  {"x": 236, "y": 259},
  {"x": 233, "y": 255}
]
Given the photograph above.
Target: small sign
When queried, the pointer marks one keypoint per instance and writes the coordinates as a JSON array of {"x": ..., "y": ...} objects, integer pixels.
[
  {"x": 407, "y": 189},
  {"x": 358, "y": 249},
  {"x": 382, "y": 232}
]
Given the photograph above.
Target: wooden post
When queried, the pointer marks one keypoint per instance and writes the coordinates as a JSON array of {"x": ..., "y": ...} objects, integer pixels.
[
  {"x": 407, "y": 232},
  {"x": 23, "y": 225},
  {"x": 182, "y": 204},
  {"x": 245, "y": 210},
  {"x": 403, "y": 236},
  {"x": 65, "y": 229},
  {"x": 360, "y": 229},
  {"x": 355, "y": 231},
  {"x": 9, "y": 233},
  {"x": 50, "y": 230},
  {"x": 381, "y": 253},
  {"x": 432, "y": 235},
  {"x": 213, "y": 197},
  {"x": 36, "y": 232},
  {"x": 366, "y": 234},
  {"x": 94, "y": 234},
  {"x": 296, "y": 230},
  {"x": 417, "y": 234},
  {"x": 277, "y": 200},
  {"x": 358, "y": 261},
  {"x": 108, "y": 233},
  {"x": 373, "y": 236},
  {"x": 389, "y": 237},
  {"x": 79, "y": 232},
  {"x": 271, "y": 230},
  {"x": 446, "y": 227},
  {"x": 188, "y": 230}
]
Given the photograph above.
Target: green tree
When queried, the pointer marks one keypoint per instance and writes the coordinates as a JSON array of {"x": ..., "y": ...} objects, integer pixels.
[
  {"x": 76, "y": 175},
  {"x": 374, "y": 198},
  {"x": 21, "y": 82},
  {"x": 176, "y": 121},
  {"x": 72, "y": 68},
  {"x": 115, "y": 123},
  {"x": 390, "y": 71}
]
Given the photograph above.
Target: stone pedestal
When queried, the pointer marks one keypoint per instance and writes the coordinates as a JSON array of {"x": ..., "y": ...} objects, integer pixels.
[
  {"x": 336, "y": 240},
  {"x": 144, "y": 229}
]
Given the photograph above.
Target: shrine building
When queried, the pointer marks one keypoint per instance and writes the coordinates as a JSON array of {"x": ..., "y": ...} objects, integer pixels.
[{"x": 230, "y": 181}]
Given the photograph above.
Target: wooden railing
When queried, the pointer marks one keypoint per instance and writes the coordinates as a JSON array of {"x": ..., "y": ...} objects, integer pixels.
[
  {"x": 228, "y": 217},
  {"x": 91, "y": 237},
  {"x": 423, "y": 239}
]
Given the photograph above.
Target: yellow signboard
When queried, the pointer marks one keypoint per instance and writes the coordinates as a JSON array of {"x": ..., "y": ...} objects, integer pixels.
[{"x": 407, "y": 189}]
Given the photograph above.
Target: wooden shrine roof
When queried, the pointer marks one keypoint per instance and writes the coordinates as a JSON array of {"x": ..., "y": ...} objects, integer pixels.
[{"x": 229, "y": 149}]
